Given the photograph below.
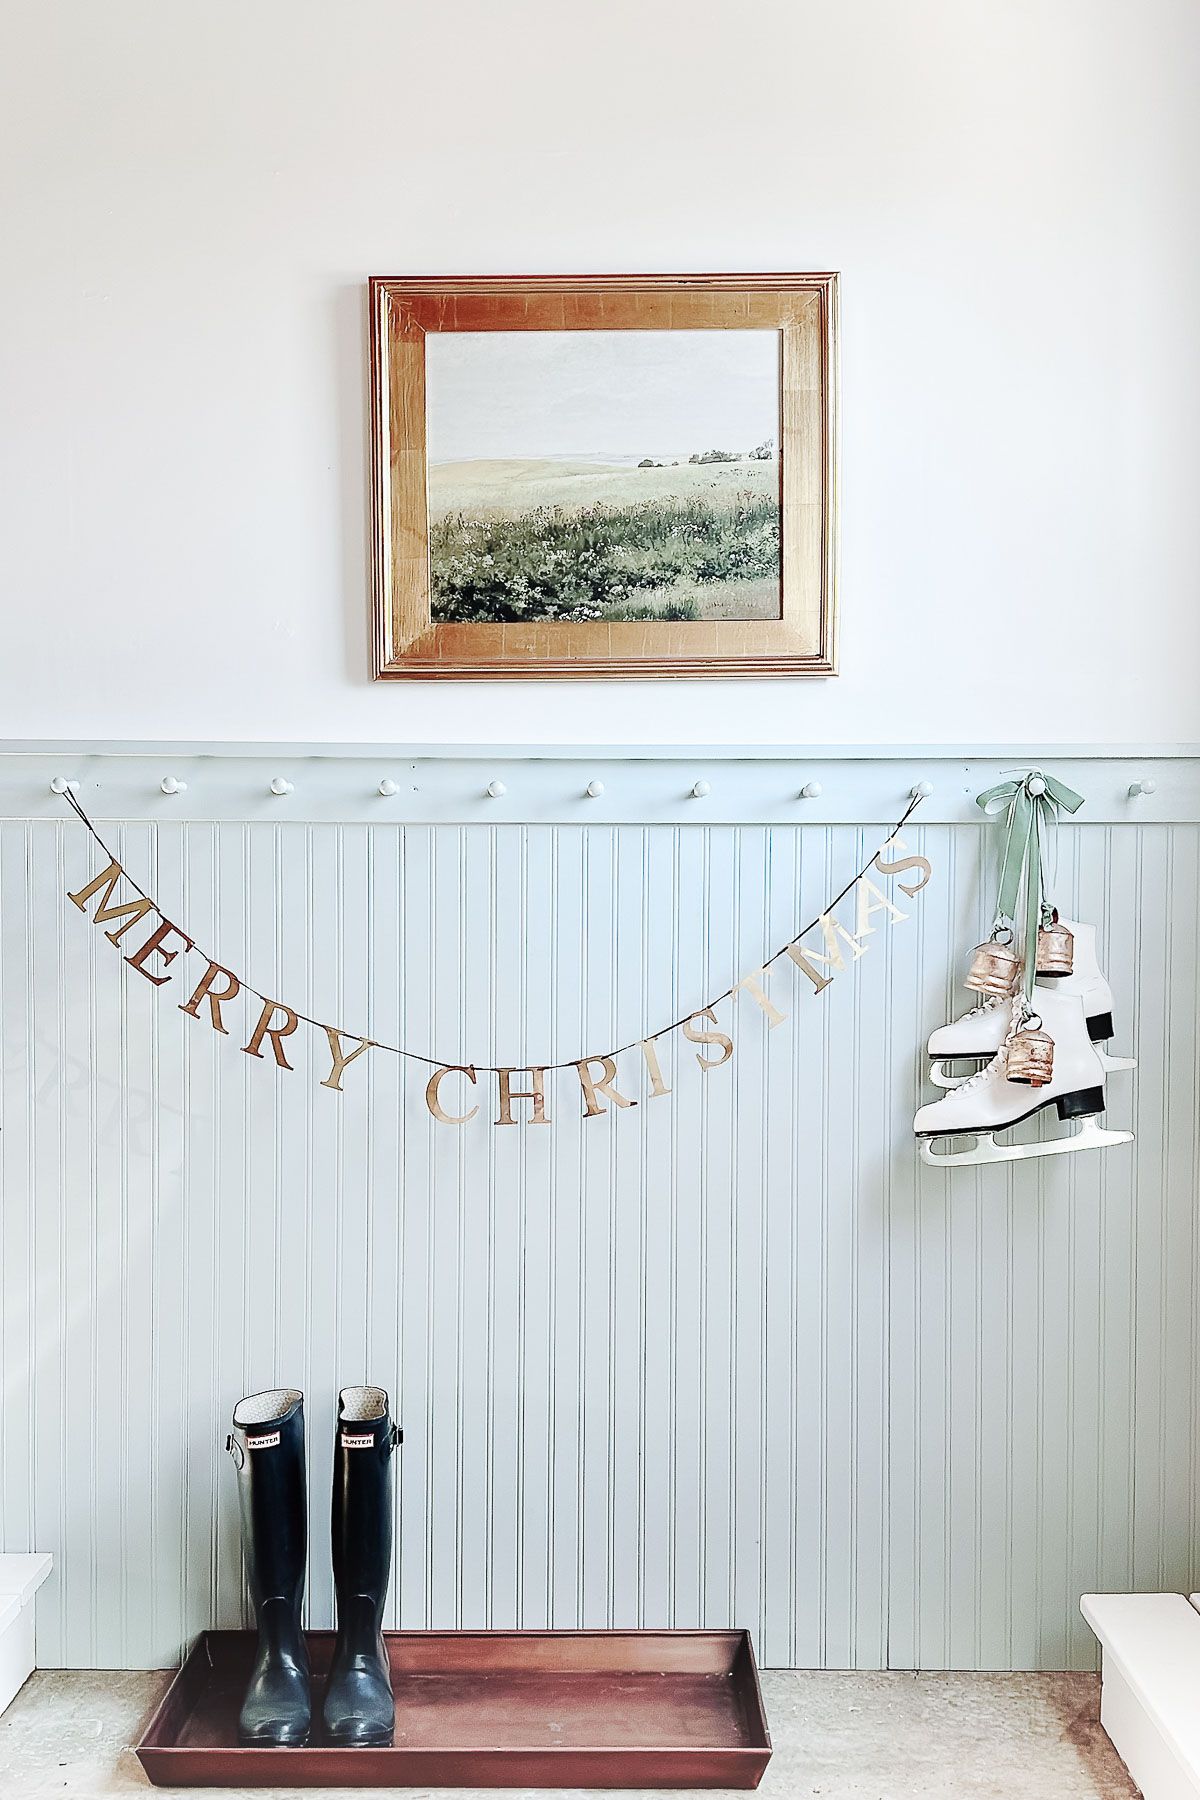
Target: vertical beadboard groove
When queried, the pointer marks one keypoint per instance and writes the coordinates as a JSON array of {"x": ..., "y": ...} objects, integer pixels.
[
  {"x": 1193, "y": 1011},
  {"x": 734, "y": 1355},
  {"x": 672, "y": 1453},
  {"x": 821, "y": 1622},
  {"x": 1164, "y": 1315}
]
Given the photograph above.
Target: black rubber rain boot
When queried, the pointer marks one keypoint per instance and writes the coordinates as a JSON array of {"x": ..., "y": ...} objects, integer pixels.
[
  {"x": 267, "y": 1444},
  {"x": 358, "y": 1701}
]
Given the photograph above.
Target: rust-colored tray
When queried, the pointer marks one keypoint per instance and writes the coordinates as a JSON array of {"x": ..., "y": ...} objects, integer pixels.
[{"x": 592, "y": 1709}]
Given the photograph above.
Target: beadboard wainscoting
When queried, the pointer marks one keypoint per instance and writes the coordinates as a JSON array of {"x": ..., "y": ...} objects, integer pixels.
[{"x": 736, "y": 1357}]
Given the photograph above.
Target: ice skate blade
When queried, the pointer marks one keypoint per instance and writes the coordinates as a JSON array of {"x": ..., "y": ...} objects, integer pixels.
[
  {"x": 939, "y": 1071},
  {"x": 985, "y": 1149}
]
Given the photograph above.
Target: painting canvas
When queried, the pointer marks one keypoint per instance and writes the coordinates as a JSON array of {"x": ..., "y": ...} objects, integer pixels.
[
  {"x": 603, "y": 475},
  {"x": 626, "y": 475}
]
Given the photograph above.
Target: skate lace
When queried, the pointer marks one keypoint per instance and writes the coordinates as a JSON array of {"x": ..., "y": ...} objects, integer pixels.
[
  {"x": 989, "y": 1071},
  {"x": 989, "y": 1004},
  {"x": 999, "y": 1062}
]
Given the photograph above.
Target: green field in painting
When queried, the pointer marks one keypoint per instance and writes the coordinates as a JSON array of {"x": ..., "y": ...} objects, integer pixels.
[{"x": 527, "y": 539}]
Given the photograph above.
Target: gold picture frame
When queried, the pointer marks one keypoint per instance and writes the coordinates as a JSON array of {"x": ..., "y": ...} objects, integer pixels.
[{"x": 409, "y": 643}]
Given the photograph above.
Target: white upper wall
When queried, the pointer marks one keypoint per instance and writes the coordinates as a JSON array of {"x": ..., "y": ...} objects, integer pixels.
[{"x": 192, "y": 196}]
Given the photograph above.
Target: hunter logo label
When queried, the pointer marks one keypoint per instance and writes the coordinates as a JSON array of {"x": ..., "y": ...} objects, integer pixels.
[
  {"x": 358, "y": 1440},
  {"x": 263, "y": 1443}
]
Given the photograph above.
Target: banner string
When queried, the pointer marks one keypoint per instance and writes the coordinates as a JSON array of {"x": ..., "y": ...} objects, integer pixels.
[{"x": 436, "y": 1062}]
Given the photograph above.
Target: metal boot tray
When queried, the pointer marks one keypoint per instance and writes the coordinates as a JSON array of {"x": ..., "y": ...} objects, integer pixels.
[{"x": 533, "y": 1709}]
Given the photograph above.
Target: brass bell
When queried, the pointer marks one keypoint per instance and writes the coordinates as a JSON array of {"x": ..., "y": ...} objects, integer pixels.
[
  {"x": 1031, "y": 1056},
  {"x": 1055, "y": 949},
  {"x": 994, "y": 968}
]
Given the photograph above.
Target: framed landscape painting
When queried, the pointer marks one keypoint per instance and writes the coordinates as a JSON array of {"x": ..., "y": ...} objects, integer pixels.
[{"x": 604, "y": 475}]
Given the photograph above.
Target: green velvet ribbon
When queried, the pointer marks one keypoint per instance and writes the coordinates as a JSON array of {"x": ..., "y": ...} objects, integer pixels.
[{"x": 1027, "y": 815}]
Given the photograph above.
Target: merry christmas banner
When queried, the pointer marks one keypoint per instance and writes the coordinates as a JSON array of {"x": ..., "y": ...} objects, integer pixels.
[{"x": 455, "y": 1092}]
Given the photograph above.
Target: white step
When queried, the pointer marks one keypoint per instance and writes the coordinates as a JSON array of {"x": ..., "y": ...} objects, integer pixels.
[
  {"x": 1150, "y": 1688},
  {"x": 20, "y": 1578}
]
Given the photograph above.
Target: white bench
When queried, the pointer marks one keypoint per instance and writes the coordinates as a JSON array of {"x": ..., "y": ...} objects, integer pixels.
[
  {"x": 1150, "y": 1687},
  {"x": 20, "y": 1578}
]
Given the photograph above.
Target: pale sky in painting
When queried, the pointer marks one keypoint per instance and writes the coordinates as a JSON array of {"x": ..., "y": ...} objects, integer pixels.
[{"x": 598, "y": 394}]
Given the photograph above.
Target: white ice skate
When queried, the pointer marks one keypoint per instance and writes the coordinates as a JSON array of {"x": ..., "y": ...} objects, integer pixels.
[
  {"x": 978, "y": 1034},
  {"x": 987, "y": 1102}
]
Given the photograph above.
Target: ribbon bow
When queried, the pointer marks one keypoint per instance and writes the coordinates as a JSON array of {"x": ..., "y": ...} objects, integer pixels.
[{"x": 1030, "y": 803}]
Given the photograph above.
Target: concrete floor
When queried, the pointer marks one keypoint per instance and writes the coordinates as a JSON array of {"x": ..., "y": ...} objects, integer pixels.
[{"x": 839, "y": 1737}]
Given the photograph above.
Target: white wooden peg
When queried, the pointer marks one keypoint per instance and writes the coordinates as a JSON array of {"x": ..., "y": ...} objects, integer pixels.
[
  {"x": 1037, "y": 786},
  {"x": 701, "y": 790},
  {"x": 811, "y": 790},
  {"x": 60, "y": 785},
  {"x": 280, "y": 786},
  {"x": 1138, "y": 788},
  {"x": 388, "y": 788},
  {"x": 496, "y": 790},
  {"x": 594, "y": 789},
  {"x": 169, "y": 785},
  {"x": 921, "y": 791}
]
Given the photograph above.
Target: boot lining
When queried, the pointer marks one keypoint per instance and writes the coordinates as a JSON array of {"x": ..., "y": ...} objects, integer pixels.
[
  {"x": 272, "y": 1403},
  {"x": 360, "y": 1403}
]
